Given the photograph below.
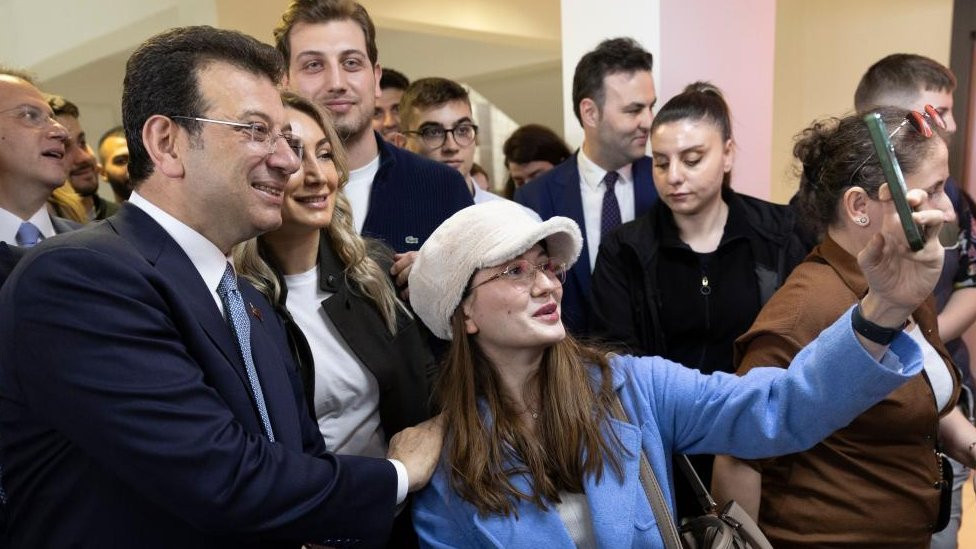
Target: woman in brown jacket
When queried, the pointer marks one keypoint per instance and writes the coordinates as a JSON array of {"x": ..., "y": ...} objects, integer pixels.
[{"x": 878, "y": 482}]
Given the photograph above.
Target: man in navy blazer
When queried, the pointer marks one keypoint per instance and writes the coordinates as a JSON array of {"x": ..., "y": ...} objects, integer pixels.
[
  {"x": 613, "y": 98},
  {"x": 131, "y": 413}
]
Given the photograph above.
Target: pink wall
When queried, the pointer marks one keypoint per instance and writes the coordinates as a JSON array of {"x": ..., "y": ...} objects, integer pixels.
[{"x": 730, "y": 43}]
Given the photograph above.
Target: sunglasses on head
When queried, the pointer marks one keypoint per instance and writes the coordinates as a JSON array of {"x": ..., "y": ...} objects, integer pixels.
[{"x": 921, "y": 121}]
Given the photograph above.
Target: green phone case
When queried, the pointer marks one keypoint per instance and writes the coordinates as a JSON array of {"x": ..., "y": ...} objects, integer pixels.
[{"x": 894, "y": 177}]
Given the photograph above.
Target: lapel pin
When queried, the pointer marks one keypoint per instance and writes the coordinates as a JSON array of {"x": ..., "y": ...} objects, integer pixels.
[{"x": 255, "y": 311}]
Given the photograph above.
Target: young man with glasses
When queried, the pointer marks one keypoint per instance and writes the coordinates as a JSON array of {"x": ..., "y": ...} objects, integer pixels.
[
  {"x": 435, "y": 117},
  {"x": 167, "y": 411}
]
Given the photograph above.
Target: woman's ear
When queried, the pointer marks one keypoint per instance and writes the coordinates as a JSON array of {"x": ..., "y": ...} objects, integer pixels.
[
  {"x": 854, "y": 206},
  {"x": 728, "y": 156},
  {"x": 470, "y": 326}
]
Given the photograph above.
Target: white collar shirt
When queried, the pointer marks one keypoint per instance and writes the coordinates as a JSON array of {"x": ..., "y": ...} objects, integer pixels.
[{"x": 10, "y": 224}]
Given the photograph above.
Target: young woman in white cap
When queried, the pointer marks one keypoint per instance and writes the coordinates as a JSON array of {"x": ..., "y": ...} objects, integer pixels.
[{"x": 533, "y": 456}]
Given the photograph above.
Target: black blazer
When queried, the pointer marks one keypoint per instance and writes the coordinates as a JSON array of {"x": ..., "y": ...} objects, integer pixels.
[{"x": 402, "y": 363}]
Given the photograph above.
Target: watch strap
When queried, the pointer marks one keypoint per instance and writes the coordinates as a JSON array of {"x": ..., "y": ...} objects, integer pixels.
[{"x": 870, "y": 330}]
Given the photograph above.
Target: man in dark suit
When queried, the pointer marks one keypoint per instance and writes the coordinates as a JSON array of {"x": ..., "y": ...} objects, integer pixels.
[
  {"x": 608, "y": 181},
  {"x": 163, "y": 410},
  {"x": 396, "y": 196},
  {"x": 32, "y": 162}
]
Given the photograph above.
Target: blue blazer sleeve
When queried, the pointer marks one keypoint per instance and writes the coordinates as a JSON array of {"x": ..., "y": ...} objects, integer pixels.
[{"x": 770, "y": 411}]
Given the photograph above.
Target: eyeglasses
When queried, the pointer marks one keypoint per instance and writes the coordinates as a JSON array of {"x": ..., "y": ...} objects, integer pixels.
[
  {"x": 435, "y": 136},
  {"x": 260, "y": 133},
  {"x": 32, "y": 116},
  {"x": 522, "y": 274},
  {"x": 919, "y": 121}
]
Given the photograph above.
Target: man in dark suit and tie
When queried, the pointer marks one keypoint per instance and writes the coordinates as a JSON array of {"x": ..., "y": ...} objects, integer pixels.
[
  {"x": 32, "y": 162},
  {"x": 163, "y": 410},
  {"x": 608, "y": 181}
]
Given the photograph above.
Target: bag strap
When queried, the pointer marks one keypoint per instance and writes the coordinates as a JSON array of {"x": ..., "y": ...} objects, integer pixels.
[
  {"x": 652, "y": 490},
  {"x": 705, "y": 499}
]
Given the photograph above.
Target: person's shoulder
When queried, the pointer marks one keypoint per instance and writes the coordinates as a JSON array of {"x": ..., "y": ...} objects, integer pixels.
[
  {"x": 558, "y": 174},
  {"x": 768, "y": 217},
  {"x": 424, "y": 168}
]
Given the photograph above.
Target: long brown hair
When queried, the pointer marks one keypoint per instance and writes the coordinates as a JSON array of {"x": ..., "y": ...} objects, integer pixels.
[{"x": 484, "y": 450}]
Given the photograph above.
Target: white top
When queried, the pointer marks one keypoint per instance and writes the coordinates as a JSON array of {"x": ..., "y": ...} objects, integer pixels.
[
  {"x": 481, "y": 195},
  {"x": 347, "y": 396},
  {"x": 210, "y": 263},
  {"x": 935, "y": 368},
  {"x": 10, "y": 223},
  {"x": 357, "y": 191},
  {"x": 592, "y": 189},
  {"x": 574, "y": 511}
]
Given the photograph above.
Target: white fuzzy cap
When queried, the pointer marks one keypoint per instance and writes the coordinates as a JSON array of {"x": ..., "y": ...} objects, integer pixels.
[{"x": 484, "y": 235}]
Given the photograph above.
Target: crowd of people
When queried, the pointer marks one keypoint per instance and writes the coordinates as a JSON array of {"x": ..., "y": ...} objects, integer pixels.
[{"x": 307, "y": 318}]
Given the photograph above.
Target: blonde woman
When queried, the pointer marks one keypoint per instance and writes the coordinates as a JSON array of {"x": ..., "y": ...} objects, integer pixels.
[{"x": 364, "y": 363}]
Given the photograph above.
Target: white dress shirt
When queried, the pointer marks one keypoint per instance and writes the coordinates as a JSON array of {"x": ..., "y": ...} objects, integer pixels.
[
  {"x": 592, "y": 189},
  {"x": 210, "y": 263},
  {"x": 10, "y": 224}
]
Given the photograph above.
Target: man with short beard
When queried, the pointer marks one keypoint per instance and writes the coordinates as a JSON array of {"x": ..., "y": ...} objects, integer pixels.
[
  {"x": 329, "y": 47},
  {"x": 113, "y": 157},
  {"x": 610, "y": 175},
  {"x": 82, "y": 166}
]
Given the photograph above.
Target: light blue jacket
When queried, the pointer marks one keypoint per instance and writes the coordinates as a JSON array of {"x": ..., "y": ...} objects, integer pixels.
[{"x": 768, "y": 412}]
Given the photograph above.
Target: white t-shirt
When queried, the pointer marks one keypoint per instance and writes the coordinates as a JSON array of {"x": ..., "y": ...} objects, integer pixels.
[
  {"x": 357, "y": 190},
  {"x": 935, "y": 368},
  {"x": 347, "y": 396}
]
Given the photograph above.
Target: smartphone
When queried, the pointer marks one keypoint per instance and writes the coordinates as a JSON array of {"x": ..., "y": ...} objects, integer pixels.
[{"x": 895, "y": 178}]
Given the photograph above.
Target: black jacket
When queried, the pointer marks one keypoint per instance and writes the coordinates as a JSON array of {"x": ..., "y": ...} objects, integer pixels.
[
  {"x": 626, "y": 306},
  {"x": 402, "y": 363}
]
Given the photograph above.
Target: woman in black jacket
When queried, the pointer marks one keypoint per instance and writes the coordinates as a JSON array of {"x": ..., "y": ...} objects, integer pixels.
[
  {"x": 365, "y": 363},
  {"x": 686, "y": 279}
]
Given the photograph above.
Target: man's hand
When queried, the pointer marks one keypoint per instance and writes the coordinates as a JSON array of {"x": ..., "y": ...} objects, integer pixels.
[
  {"x": 402, "y": 263},
  {"x": 418, "y": 449}
]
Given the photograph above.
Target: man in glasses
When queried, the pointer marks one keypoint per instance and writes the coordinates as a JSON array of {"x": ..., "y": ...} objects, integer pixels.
[
  {"x": 436, "y": 119},
  {"x": 911, "y": 81},
  {"x": 163, "y": 410},
  {"x": 32, "y": 162}
]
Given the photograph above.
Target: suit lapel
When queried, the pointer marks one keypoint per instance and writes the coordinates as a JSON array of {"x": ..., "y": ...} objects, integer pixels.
[
  {"x": 568, "y": 200},
  {"x": 279, "y": 393},
  {"x": 645, "y": 193},
  {"x": 152, "y": 241}
]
